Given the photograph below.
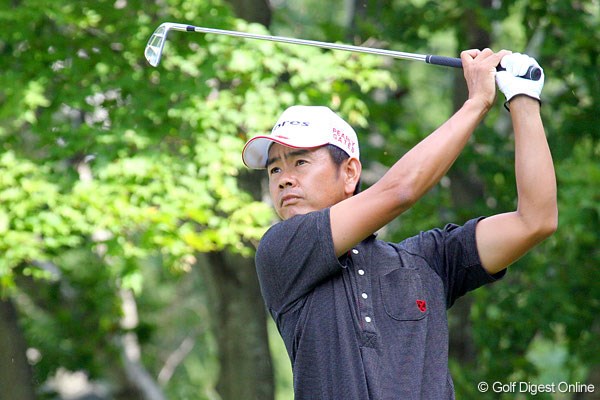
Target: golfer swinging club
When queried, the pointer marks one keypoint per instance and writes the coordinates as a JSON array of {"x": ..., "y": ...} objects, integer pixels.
[{"x": 366, "y": 319}]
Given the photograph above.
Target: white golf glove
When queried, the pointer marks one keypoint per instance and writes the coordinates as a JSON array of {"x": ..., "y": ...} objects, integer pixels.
[{"x": 510, "y": 82}]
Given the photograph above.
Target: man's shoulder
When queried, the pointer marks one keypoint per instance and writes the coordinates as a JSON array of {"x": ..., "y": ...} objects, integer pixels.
[
  {"x": 431, "y": 241},
  {"x": 437, "y": 233},
  {"x": 294, "y": 234},
  {"x": 304, "y": 222}
]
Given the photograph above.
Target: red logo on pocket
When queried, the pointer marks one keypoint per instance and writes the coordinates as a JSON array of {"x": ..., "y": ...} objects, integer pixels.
[{"x": 422, "y": 304}]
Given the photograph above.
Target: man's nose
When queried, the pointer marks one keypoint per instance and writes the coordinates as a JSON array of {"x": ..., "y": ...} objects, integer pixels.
[{"x": 286, "y": 180}]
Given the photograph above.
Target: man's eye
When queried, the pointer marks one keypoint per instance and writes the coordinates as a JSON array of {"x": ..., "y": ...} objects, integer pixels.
[
  {"x": 300, "y": 162},
  {"x": 274, "y": 170}
]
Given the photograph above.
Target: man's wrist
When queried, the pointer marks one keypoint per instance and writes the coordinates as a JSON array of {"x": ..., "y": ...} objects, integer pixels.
[
  {"x": 522, "y": 100},
  {"x": 478, "y": 106}
]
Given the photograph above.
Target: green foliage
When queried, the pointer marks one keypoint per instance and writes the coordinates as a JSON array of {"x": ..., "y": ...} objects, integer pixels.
[{"x": 111, "y": 170}]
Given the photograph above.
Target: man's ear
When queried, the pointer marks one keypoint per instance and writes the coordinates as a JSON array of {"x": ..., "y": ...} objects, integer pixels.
[{"x": 352, "y": 171}]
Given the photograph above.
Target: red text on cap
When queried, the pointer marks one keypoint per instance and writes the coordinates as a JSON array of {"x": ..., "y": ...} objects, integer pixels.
[{"x": 340, "y": 137}]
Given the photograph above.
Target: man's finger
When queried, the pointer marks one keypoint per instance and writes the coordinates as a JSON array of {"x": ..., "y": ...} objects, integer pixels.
[
  {"x": 469, "y": 54},
  {"x": 486, "y": 52},
  {"x": 500, "y": 55}
]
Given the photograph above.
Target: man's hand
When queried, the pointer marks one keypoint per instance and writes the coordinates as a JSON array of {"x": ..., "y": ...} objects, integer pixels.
[
  {"x": 480, "y": 69},
  {"x": 510, "y": 82}
]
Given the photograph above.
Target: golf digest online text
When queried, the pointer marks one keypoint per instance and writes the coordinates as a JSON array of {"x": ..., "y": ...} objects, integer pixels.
[{"x": 535, "y": 388}]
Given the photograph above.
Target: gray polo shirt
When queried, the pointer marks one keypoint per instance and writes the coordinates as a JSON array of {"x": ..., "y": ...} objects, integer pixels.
[{"x": 371, "y": 324}]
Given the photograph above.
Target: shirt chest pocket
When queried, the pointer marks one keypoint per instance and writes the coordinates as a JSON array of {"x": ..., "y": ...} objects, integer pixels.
[{"x": 403, "y": 295}]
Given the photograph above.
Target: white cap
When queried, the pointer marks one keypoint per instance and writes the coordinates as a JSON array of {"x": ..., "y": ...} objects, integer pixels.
[{"x": 302, "y": 127}]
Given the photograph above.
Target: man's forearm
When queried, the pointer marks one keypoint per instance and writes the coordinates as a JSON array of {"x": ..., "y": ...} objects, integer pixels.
[
  {"x": 534, "y": 169},
  {"x": 504, "y": 238},
  {"x": 425, "y": 164}
]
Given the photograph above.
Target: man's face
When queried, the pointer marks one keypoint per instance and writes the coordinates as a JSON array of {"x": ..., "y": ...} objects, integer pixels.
[{"x": 303, "y": 180}]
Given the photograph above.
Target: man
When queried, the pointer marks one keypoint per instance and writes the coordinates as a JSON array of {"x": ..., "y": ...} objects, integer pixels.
[{"x": 365, "y": 319}]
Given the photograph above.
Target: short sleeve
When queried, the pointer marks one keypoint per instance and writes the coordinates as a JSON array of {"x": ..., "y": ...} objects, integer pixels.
[
  {"x": 293, "y": 257},
  {"x": 452, "y": 253}
]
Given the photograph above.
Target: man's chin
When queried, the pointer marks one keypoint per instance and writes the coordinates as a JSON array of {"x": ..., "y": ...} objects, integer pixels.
[{"x": 288, "y": 213}]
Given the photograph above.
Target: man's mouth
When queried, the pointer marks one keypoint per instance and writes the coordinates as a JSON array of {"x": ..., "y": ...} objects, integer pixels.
[{"x": 289, "y": 199}]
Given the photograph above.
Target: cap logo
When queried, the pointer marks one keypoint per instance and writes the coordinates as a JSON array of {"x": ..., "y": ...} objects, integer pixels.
[
  {"x": 343, "y": 139},
  {"x": 293, "y": 123}
]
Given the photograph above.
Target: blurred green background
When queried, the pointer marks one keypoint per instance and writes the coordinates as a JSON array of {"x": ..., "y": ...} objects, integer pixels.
[{"x": 128, "y": 223}]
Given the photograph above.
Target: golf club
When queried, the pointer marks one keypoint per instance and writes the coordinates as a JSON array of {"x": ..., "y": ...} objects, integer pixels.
[{"x": 156, "y": 43}]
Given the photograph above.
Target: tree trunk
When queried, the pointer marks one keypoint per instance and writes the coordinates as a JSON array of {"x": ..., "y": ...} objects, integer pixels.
[
  {"x": 252, "y": 10},
  {"x": 240, "y": 326},
  {"x": 466, "y": 189},
  {"x": 238, "y": 313},
  {"x": 16, "y": 380}
]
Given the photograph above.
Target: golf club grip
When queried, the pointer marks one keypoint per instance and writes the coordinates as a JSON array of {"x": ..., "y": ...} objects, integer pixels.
[
  {"x": 445, "y": 61},
  {"x": 533, "y": 73}
]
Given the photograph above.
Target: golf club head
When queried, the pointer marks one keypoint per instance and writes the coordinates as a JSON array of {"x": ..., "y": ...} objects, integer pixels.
[{"x": 156, "y": 43}]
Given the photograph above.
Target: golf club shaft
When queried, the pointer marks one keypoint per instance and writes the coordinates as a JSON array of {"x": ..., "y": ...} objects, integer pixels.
[{"x": 438, "y": 60}]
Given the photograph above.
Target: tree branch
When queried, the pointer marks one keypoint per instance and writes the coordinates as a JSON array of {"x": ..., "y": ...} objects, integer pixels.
[{"x": 174, "y": 359}]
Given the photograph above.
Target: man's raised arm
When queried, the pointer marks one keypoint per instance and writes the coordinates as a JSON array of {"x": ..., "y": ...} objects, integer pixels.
[
  {"x": 424, "y": 165},
  {"x": 504, "y": 238}
]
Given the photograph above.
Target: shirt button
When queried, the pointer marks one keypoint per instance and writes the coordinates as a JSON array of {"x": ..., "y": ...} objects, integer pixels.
[
  {"x": 361, "y": 272},
  {"x": 354, "y": 251},
  {"x": 364, "y": 295},
  {"x": 368, "y": 319}
]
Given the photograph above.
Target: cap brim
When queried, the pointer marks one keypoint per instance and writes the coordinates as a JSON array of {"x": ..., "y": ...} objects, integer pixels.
[{"x": 256, "y": 151}]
